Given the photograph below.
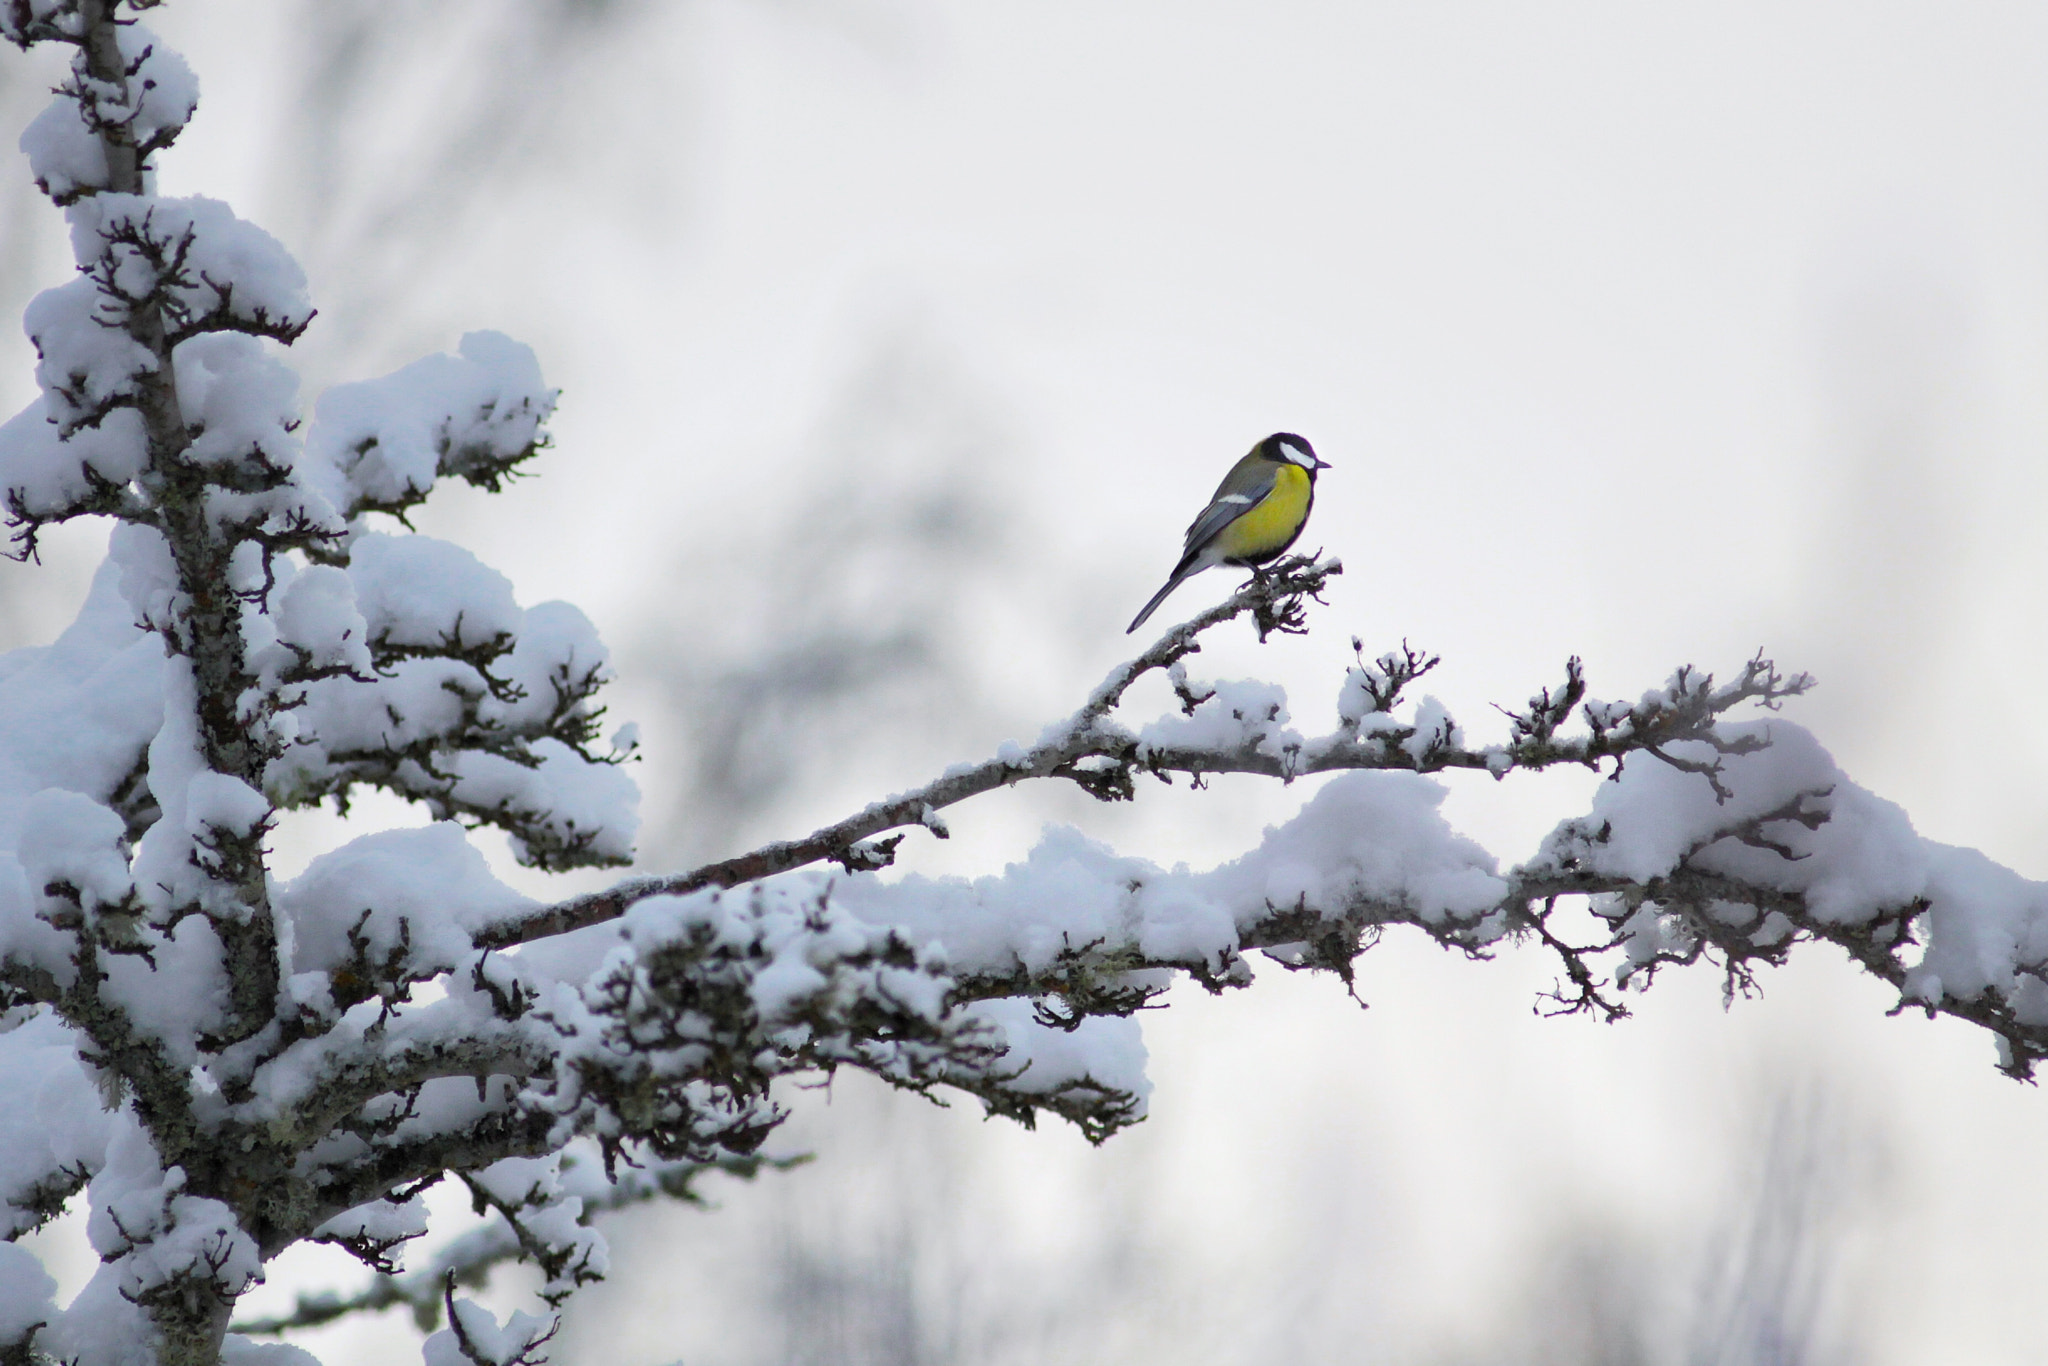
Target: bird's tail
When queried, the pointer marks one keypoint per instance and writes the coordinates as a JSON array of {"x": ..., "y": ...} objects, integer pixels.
[{"x": 1181, "y": 572}]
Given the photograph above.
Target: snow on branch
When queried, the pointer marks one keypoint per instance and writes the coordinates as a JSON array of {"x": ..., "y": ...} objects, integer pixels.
[
  {"x": 470, "y": 1259},
  {"x": 1242, "y": 728},
  {"x": 475, "y": 416},
  {"x": 1715, "y": 838},
  {"x": 256, "y": 643},
  {"x": 474, "y": 1337}
]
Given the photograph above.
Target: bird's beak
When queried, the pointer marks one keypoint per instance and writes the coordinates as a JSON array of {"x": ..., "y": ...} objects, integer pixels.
[{"x": 1321, "y": 463}]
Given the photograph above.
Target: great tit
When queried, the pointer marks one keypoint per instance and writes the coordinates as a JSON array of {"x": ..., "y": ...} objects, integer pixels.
[{"x": 1257, "y": 511}]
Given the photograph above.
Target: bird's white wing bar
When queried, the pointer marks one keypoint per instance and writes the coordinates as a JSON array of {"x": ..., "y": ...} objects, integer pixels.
[{"x": 1223, "y": 510}]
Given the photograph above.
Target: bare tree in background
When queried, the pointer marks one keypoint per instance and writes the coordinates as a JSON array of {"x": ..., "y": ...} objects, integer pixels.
[
  {"x": 833, "y": 638},
  {"x": 411, "y": 135},
  {"x": 887, "y": 1252},
  {"x": 418, "y": 134},
  {"x": 892, "y": 1250},
  {"x": 1773, "y": 1288},
  {"x": 1771, "y": 1282}
]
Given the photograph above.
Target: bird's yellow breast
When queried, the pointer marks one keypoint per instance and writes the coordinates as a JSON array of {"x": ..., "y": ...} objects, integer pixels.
[{"x": 1270, "y": 524}]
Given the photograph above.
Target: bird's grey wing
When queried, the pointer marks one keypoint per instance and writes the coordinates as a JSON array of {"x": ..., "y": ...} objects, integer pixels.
[{"x": 1241, "y": 489}]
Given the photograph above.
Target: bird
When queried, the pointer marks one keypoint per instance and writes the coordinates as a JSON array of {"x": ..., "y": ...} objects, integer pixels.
[{"x": 1255, "y": 514}]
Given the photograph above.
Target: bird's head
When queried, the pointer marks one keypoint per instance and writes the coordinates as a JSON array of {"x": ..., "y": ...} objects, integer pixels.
[{"x": 1287, "y": 448}]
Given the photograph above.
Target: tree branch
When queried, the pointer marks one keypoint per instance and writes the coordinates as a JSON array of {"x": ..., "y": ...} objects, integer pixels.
[
  {"x": 473, "y": 1258},
  {"x": 1272, "y": 599},
  {"x": 1091, "y": 750}
]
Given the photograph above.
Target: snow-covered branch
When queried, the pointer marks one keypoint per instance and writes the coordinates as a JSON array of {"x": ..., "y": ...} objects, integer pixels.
[
  {"x": 1240, "y": 729},
  {"x": 508, "y": 1237}
]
